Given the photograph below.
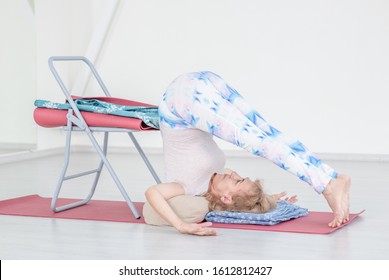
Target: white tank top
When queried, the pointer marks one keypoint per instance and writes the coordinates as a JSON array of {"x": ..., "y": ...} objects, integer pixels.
[{"x": 191, "y": 156}]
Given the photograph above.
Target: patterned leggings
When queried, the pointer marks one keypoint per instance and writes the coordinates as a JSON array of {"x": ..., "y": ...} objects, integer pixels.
[{"x": 204, "y": 101}]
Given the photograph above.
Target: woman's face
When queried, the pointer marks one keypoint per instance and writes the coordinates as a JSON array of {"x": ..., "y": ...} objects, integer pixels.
[{"x": 228, "y": 184}]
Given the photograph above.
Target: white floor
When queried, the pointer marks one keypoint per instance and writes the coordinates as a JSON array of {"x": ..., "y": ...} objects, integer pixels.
[{"x": 42, "y": 238}]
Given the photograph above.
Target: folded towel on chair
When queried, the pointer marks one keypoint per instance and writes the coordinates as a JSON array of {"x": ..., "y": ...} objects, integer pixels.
[
  {"x": 149, "y": 115},
  {"x": 284, "y": 211}
]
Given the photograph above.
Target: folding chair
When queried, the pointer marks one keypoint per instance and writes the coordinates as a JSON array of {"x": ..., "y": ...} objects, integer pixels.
[{"x": 89, "y": 122}]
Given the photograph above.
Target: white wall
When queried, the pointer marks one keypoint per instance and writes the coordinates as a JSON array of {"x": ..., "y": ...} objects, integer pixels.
[
  {"x": 317, "y": 70},
  {"x": 17, "y": 73},
  {"x": 62, "y": 28}
]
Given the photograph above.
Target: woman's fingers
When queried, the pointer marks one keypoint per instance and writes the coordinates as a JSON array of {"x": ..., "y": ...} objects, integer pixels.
[
  {"x": 198, "y": 229},
  {"x": 278, "y": 196},
  {"x": 292, "y": 199}
]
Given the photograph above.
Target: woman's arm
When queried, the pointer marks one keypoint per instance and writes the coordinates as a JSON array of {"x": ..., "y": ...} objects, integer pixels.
[{"x": 158, "y": 196}]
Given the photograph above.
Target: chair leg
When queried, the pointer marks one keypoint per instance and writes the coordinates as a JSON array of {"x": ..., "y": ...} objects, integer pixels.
[
  {"x": 112, "y": 172},
  {"x": 144, "y": 157},
  {"x": 103, "y": 162},
  {"x": 63, "y": 176},
  {"x": 63, "y": 173}
]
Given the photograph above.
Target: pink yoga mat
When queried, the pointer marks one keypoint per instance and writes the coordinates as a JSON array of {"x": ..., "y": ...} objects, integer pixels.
[{"x": 118, "y": 211}]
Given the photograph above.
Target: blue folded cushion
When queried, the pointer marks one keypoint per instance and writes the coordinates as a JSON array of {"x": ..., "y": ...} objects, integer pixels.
[{"x": 284, "y": 211}]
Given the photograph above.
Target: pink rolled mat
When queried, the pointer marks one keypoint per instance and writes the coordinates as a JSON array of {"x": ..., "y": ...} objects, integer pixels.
[
  {"x": 118, "y": 211},
  {"x": 54, "y": 118}
]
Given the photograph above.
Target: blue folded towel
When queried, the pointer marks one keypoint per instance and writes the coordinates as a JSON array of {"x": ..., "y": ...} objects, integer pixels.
[{"x": 284, "y": 211}]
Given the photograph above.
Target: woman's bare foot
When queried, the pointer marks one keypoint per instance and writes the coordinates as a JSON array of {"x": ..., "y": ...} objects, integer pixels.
[
  {"x": 346, "y": 198},
  {"x": 337, "y": 195}
]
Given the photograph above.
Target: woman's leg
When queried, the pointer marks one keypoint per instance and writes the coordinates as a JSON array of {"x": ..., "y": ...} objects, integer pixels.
[
  {"x": 336, "y": 191},
  {"x": 202, "y": 106},
  {"x": 233, "y": 97}
]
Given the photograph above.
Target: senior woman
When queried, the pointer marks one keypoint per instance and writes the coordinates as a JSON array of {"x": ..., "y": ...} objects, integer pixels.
[{"x": 197, "y": 106}]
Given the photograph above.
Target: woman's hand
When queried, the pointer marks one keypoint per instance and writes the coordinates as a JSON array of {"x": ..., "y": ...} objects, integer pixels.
[
  {"x": 196, "y": 229},
  {"x": 279, "y": 196}
]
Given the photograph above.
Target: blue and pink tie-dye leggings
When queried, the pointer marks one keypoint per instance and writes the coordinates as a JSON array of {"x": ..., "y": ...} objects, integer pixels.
[{"x": 204, "y": 101}]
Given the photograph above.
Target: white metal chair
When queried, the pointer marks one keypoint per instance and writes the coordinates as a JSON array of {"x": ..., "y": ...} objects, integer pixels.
[{"x": 88, "y": 122}]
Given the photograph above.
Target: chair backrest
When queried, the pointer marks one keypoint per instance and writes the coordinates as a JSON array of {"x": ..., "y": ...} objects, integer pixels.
[
  {"x": 85, "y": 120},
  {"x": 63, "y": 86}
]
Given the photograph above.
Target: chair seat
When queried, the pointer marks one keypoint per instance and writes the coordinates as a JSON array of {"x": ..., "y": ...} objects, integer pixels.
[{"x": 55, "y": 118}]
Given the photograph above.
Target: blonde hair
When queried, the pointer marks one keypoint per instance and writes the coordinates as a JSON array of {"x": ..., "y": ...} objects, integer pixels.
[{"x": 255, "y": 201}]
